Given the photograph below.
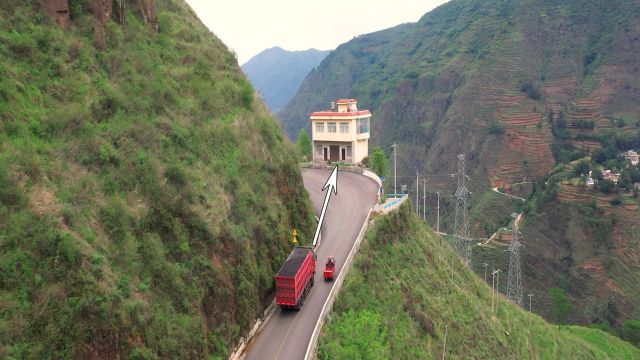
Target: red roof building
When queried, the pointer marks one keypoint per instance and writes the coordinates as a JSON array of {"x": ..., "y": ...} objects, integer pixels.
[{"x": 341, "y": 134}]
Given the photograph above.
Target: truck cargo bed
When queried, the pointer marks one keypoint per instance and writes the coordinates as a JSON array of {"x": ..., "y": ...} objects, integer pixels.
[
  {"x": 295, "y": 278},
  {"x": 293, "y": 263}
]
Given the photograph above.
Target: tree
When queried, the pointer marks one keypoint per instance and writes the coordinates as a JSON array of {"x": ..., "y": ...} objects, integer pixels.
[
  {"x": 581, "y": 168},
  {"x": 606, "y": 186},
  {"x": 563, "y": 307},
  {"x": 625, "y": 181},
  {"x": 631, "y": 331},
  {"x": 304, "y": 144},
  {"x": 379, "y": 162}
]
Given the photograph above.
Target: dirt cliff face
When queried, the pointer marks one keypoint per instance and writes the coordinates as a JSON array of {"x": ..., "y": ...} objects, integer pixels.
[
  {"x": 58, "y": 10},
  {"x": 103, "y": 10},
  {"x": 148, "y": 11}
]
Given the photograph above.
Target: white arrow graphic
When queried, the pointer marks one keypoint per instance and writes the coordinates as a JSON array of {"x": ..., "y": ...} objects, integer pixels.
[{"x": 332, "y": 184}]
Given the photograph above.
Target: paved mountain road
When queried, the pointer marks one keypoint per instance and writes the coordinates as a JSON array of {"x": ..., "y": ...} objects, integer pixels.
[{"x": 287, "y": 333}]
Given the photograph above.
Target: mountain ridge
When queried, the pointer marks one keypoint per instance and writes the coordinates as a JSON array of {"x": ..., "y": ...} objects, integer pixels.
[{"x": 277, "y": 73}]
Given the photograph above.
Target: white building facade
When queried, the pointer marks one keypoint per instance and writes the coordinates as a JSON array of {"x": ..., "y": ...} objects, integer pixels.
[{"x": 341, "y": 134}]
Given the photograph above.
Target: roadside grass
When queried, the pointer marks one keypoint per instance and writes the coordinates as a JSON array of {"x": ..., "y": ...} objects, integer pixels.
[{"x": 407, "y": 289}]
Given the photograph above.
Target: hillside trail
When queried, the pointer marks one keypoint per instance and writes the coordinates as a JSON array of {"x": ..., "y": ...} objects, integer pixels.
[{"x": 519, "y": 216}]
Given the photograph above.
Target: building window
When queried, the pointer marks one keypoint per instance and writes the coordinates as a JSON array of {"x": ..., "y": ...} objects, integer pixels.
[
  {"x": 344, "y": 127},
  {"x": 331, "y": 127},
  {"x": 319, "y": 127},
  {"x": 349, "y": 151},
  {"x": 363, "y": 125},
  {"x": 319, "y": 150}
]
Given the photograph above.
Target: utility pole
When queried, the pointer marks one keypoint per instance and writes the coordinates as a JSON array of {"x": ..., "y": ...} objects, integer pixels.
[
  {"x": 417, "y": 193},
  {"x": 424, "y": 199},
  {"x": 514, "y": 285},
  {"x": 438, "y": 215},
  {"x": 462, "y": 244},
  {"x": 530, "y": 295},
  {"x": 395, "y": 174},
  {"x": 493, "y": 288},
  {"x": 497, "y": 287},
  {"x": 444, "y": 347},
  {"x": 485, "y": 271}
]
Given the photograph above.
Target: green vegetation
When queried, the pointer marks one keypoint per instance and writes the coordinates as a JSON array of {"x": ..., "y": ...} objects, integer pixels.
[
  {"x": 531, "y": 90},
  {"x": 407, "y": 288},
  {"x": 631, "y": 332},
  {"x": 581, "y": 168},
  {"x": 146, "y": 199},
  {"x": 303, "y": 144},
  {"x": 562, "y": 305},
  {"x": 495, "y": 128},
  {"x": 379, "y": 163}
]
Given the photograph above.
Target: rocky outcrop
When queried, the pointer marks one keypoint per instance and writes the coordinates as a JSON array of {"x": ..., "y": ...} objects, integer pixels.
[
  {"x": 118, "y": 11},
  {"x": 149, "y": 13},
  {"x": 58, "y": 10},
  {"x": 102, "y": 10}
]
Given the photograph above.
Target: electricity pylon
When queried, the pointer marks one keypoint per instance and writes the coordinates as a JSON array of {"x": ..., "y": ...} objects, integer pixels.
[
  {"x": 461, "y": 241},
  {"x": 514, "y": 286}
]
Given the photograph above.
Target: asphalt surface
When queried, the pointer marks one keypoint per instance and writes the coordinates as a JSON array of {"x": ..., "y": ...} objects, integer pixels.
[{"x": 287, "y": 333}]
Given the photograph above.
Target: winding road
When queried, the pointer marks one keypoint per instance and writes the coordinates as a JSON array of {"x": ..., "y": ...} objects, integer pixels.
[{"x": 287, "y": 333}]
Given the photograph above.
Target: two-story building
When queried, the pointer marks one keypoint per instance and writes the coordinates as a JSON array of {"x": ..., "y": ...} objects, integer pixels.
[
  {"x": 341, "y": 133},
  {"x": 632, "y": 157}
]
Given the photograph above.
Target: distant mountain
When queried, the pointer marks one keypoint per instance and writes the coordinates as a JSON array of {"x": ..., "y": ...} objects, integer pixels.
[
  {"x": 277, "y": 73},
  {"x": 524, "y": 89}
]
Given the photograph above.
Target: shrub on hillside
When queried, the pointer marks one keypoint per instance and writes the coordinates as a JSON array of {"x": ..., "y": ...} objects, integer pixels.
[
  {"x": 606, "y": 186},
  {"x": 531, "y": 90},
  {"x": 584, "y": 124},
  {"x": 495, "y": 128},
  {"x": 581, "y": 168},
  {"x": 631, "y": 332}
]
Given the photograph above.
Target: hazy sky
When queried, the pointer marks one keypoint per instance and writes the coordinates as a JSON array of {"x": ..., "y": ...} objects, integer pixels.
[{"x": 250, "y": 26}]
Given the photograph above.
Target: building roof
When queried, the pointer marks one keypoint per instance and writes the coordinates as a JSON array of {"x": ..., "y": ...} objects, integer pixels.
[
  {"x": 345, "y": 113},
  {"x": 344, "y": 101}
]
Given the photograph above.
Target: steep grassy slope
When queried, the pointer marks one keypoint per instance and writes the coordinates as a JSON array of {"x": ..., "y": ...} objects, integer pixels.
[
  {"x": 277, "y": 73},
  {"x": 517, "y": 86},
  {"x": 407, "y": 290},
  {"x": 146, "y": 198}
]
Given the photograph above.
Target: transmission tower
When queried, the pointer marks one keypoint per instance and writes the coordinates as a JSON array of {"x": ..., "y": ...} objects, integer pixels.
[
  {"x": 514, "y": 286},
  {"x": 461, "y": 243}
]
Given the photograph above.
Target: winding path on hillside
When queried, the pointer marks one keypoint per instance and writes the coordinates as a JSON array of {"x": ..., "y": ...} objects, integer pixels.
[{"x": 287, "y": 334}]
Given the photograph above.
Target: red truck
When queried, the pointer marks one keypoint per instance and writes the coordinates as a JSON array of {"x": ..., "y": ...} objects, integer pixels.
[{"x": 295, "y": 278}]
